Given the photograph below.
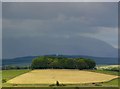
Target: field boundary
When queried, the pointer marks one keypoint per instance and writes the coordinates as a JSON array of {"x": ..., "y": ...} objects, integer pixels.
[{"x": 112, "y": 80}]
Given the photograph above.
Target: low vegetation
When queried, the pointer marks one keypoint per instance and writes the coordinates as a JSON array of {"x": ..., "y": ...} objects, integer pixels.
[
  {"x": 113, "y": 82},
  {"x": 9, "y": 74},
  {"x": 105, "y": 72},
  {"x": 46, "y": 62},
  {"x": 11, "y": 67}
]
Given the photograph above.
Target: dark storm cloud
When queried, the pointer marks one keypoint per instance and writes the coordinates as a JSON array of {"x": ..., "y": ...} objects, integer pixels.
[
  {"x": 96, "y": 13},
  {"x": 40, "y": 28}
]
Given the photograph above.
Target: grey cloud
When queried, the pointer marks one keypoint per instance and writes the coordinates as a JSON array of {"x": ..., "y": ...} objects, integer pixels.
[
  {"x": 100, "y": 13},
  {"x": 59, "y": 17},
  {"x": 71, "y": 26},
  {"x": 62, "y": 0},
  {"x": 46, "y": 28}
]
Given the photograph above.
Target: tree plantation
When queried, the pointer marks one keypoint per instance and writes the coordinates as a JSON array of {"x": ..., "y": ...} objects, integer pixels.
[{"x": 48, "y": 62}]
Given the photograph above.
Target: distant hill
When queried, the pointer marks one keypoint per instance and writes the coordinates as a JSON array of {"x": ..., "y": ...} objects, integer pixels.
[
  {"x": 23, "y": 61},
  {"x": 19, "y": 61}
]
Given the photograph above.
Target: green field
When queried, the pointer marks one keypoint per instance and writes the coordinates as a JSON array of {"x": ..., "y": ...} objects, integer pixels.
[
  {"x": 105, "y": 72},
  {"x": 9, "y": 74},
  {"x": 112, "y": 82}
]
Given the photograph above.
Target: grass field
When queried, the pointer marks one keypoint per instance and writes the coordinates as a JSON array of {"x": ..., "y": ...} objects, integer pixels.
[
  {"x": 105, "y": 72},
  {"x": 9, "y": 74},
  {"x": 112, "y": 82}
]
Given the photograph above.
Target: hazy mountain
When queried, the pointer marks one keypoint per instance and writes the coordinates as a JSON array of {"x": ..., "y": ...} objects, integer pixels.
[
  {"x": 76, "y": 45},
  {"x": 20, "y": 61}
]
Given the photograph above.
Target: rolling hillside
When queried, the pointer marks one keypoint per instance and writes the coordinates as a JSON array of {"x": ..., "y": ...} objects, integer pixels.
[{"x": 23, "y": 61}]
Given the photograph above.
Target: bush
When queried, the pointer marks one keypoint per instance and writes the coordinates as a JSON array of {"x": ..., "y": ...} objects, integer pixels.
[
  {"x": 4, "y": 81},
  {"x": 97, "y": 84},
  {"x": 57, "y": 83}
]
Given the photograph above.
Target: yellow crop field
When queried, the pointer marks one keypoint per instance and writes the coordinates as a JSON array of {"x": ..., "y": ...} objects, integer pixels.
[{"x": 64, "y": 76}]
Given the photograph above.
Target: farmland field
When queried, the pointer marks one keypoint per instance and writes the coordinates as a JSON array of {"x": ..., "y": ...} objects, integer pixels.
[
  {"x": 9, "y": 74},
  {"x": 50, "y": 76}
]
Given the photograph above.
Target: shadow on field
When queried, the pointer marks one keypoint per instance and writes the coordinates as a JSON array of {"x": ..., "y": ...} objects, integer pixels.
[{"x": 60, "y": 88}]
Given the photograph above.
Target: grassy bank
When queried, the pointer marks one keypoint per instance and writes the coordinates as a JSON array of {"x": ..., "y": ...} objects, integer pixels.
[
  {"x": 9, "y": 74},
  {"x": 106, "y": 72},
  {"x": 113, "y": 82}
]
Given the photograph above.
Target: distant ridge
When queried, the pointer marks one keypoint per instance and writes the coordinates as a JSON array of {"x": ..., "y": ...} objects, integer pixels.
[{"x": 24, "y": 61}]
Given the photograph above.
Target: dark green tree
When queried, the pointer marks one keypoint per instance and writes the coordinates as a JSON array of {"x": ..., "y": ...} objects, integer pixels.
[{"x": 45, "y": 62}]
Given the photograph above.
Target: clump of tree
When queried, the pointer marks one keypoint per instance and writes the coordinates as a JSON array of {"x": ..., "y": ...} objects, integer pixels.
[{"x": 47, "y": 62}]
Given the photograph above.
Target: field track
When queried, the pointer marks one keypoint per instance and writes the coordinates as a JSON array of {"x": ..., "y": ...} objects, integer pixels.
[{"x": 50, "y": 76}]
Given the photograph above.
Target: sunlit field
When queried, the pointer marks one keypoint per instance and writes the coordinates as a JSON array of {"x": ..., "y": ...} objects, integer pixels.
[
  {"x": 50, "y": 76},
  {"x": 108, "y": 66}
]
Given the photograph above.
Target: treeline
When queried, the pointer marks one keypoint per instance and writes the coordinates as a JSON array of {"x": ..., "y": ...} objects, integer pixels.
[
  {"x": 9, "y": 67},
  {"x": 45, "y": 62}
]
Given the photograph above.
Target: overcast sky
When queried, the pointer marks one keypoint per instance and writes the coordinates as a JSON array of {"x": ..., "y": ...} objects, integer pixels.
[
  {"x": 65, "y": 28},
  {"x": 60, "y": 0}
]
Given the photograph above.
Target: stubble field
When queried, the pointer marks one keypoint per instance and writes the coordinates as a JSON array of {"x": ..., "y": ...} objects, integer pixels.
[{"x": 50, "y": 76}]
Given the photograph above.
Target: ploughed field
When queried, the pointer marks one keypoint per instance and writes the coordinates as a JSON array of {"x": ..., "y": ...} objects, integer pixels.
[{"x": 64, "y": 76}]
